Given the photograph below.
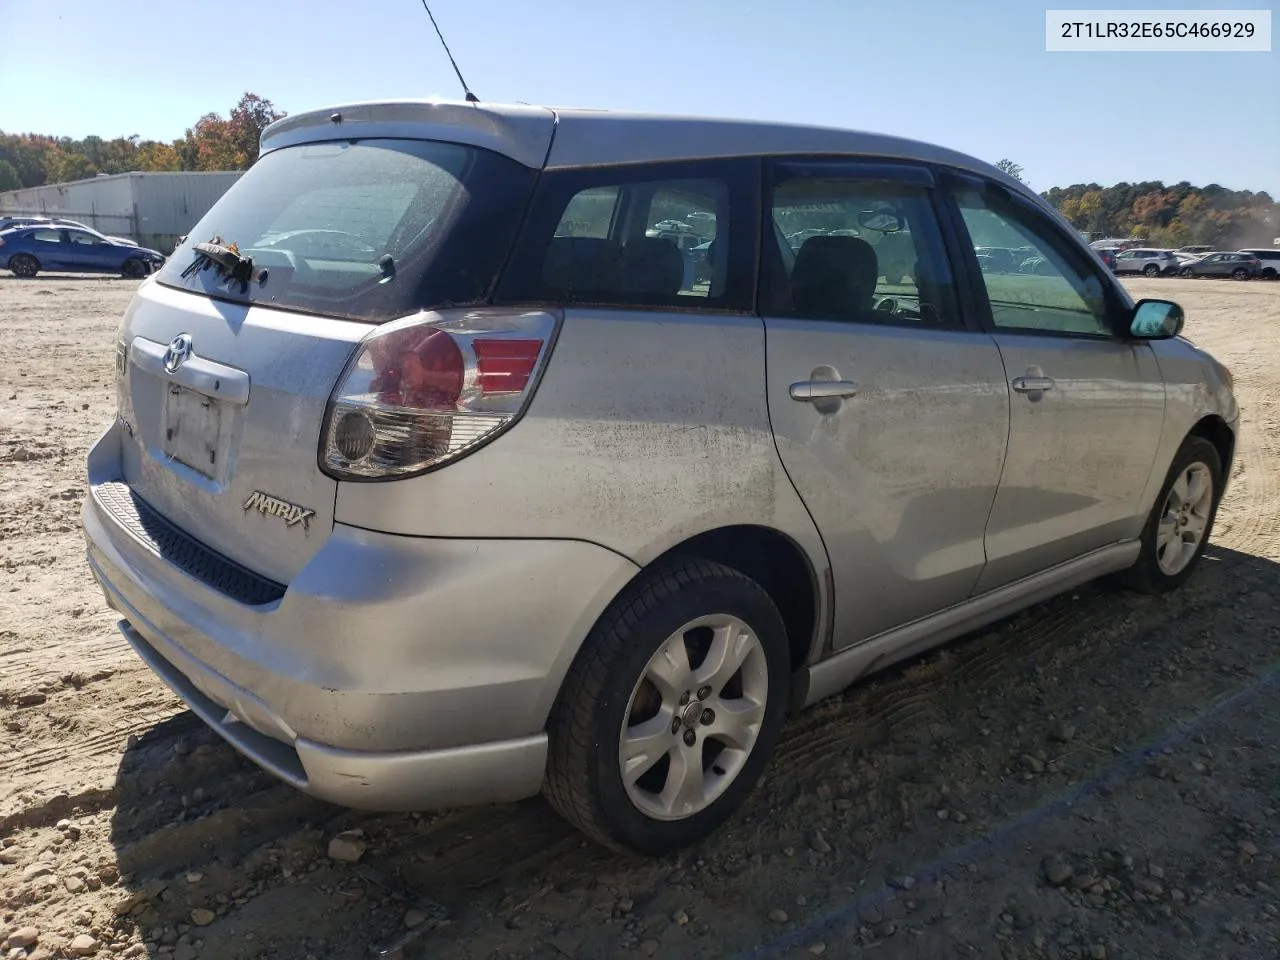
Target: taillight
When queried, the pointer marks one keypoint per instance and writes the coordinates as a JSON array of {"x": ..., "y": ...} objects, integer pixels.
[{"x": 428, "y": 389}]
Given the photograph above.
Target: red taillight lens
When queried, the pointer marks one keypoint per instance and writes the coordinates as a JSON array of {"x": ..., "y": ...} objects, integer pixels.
[
  {"x": 418, "y": 367},
  {"x": 505, "y": 366},
  {"x": 426, "y": 390}
]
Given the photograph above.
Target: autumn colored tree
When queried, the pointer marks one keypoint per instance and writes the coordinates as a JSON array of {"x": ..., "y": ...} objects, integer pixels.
[
  {"x": 249, "y": 118},
  {"x": 29, "y": 160},
  {"x": 1171, "y": 216}
]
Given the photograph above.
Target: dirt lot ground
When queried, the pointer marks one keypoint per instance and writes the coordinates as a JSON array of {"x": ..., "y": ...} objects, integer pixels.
[{"x": 1097, "y": 777}]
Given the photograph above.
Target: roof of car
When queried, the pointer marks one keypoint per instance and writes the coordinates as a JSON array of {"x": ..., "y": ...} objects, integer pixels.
[{"x": 584, "y": 137}]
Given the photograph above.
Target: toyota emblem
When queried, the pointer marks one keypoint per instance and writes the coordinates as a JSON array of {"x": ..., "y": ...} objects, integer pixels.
[{"x": 178, "y": 351}]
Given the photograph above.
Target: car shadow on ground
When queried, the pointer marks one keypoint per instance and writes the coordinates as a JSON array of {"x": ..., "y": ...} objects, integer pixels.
[{"x": 1002, "y": 722}]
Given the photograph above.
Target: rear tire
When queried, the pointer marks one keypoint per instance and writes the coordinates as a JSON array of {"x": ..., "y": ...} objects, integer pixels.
[
  {"x": 1151, "y": 270},
  {"x": 1181, "y": 521},
  {"x": 1269, "y": 273},
  {"x": 134, "y": 269},
  {"x": 24, "y": 265},
  {"x": 1240, "y": 273},
  {"x": 644, "y": 693}
]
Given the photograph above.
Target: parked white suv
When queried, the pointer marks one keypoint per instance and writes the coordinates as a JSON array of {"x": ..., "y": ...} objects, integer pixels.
[
  {"x": 1269, "y": 257},
  {"x": 453, "y": 507}
]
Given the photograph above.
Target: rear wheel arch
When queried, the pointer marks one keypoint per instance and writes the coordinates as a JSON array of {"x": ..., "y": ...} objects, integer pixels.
[
  {"x": 21, "y": 257},
  {"x": 776, "y": 562}
]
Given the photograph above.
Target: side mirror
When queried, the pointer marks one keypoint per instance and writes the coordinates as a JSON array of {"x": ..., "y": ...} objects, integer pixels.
[{"x": 1156, "y": 320}]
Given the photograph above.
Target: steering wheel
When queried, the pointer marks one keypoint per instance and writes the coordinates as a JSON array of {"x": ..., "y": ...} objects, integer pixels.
[{"x": 887, "y": 305}]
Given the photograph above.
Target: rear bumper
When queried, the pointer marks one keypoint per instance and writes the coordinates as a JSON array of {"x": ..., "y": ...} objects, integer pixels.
[
  {"x": 402, "y": 780},
  {"x": 393, "y": 672}
]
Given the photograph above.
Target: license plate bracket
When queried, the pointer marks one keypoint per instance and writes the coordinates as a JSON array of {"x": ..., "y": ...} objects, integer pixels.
[{"x": 193, "y": 429}]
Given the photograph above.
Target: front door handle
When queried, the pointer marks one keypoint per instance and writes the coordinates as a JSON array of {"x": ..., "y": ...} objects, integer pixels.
[
  {"x": 1032, "y": 384},
  {"x": 807, "y": 391}
]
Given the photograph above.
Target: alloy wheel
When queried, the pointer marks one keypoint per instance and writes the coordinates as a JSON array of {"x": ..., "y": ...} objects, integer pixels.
[
  {"x": 1187, "y": 510},
  {"x": 693, "y": 718}
]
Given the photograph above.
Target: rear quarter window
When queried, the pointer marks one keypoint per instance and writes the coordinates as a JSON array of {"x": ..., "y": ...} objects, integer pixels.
[{"x": 662, "y": 235}]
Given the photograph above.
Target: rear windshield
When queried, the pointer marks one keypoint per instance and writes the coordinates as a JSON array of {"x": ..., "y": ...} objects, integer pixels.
[{"x": 365, "y": 230}]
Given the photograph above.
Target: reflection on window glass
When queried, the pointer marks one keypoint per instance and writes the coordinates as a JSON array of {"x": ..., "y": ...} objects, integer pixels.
[
  {"x": 862, "y": 250},
  {"x": 589, "y": 214},
  {"x": 687, "y": 219},
  {"x": 639, "y": 243},
  {"x": 1030, "y": 284}
]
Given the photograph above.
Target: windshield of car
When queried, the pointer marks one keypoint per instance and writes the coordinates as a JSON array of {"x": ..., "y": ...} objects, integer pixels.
[{"x": 366, "y": 230}]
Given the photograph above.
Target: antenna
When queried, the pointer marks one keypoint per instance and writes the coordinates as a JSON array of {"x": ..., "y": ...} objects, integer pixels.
[{"x": 470, "y": 97}]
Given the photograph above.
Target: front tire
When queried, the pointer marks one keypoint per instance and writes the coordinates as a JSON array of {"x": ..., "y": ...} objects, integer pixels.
[
  {"x": 1178, "y": 529},
  {"x": 25, "y": 266},
  {"x": 671, "y": 709},
  {"x": 134, "y": 269},
  {"x": 1188, "y": 273}
]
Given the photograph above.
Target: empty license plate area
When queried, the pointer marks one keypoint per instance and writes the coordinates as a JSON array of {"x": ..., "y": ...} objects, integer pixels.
[{"x": 193, "y": 429}]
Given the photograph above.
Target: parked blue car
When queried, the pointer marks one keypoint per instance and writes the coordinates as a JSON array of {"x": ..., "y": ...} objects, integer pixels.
[{"x": 28, "y": 250}]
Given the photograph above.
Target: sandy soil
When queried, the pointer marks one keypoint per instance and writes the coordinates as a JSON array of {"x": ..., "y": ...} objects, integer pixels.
[{"x": 1096, "y": 777}]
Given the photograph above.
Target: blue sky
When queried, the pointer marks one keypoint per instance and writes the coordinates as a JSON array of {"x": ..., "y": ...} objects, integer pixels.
[{"x": 971, "y": 76}]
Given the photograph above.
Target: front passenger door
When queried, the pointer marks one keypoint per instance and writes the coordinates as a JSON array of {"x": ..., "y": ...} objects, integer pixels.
[{"x": 1087, "y": 404}]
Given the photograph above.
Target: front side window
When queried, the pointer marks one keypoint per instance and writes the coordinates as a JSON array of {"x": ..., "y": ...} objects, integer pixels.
[
  {"x": 366, "y": 229},
  {"x": 642, "y": 236},
  {"x": 859, "y": 250},
  {"x": 81, "y": 238},
  {"x": 1052, "y": 290}
]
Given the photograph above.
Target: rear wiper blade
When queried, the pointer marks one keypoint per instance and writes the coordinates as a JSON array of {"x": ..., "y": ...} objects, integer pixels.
[{"x": 227, "y": 257}]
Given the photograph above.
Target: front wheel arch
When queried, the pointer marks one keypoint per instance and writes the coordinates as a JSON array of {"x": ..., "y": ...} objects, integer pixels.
[{"x": 1214, "y": 429}]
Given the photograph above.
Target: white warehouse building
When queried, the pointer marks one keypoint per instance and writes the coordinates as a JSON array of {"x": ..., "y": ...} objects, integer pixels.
[{"x": 153, "y": 209}]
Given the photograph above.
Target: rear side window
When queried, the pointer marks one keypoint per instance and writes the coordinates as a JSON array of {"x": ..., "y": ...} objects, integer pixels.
[
  {"x": 654, "y": 235},
  {"x": 364, "y": 230},
  {"x": 46, "y": 236},
  {"x": 854, "y": 247}
]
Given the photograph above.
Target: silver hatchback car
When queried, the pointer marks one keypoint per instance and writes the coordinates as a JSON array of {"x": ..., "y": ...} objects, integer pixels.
[{"x": 439, "y": 477}]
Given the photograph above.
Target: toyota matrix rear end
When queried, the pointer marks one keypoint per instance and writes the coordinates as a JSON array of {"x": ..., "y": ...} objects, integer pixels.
[{"x": 323, "y": 325}]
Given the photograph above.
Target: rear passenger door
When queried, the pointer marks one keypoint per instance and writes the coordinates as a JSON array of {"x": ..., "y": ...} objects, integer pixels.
[
  {"x": 51, "y": 248},
  {"x": 1087, "y": 403},
  {"x": 889, "y": 406}
]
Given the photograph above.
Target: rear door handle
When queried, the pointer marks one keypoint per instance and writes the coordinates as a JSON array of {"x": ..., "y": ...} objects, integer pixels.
[
  {"x": 1032, "y": 384},
  {"x": 807, "y": 391}
]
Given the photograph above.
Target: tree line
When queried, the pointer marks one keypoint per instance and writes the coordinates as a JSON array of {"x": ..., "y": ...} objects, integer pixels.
[
  {"x": 1172, "y": 216},
  {"x": 212, "y": 143}
]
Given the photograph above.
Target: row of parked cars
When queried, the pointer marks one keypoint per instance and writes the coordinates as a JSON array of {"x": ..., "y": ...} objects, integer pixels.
[
  {"x": 31, "y": 245},
  {"x": 1189, "y": 262}
]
